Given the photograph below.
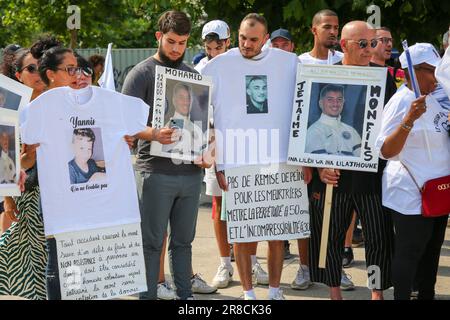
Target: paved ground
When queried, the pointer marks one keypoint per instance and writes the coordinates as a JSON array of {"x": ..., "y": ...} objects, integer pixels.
[{"x": 206, "y": 260}]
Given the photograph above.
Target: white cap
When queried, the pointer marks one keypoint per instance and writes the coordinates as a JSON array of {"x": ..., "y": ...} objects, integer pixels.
[
  {"x": 420, "y": 53},
  {"x": 218, "y": 27}
]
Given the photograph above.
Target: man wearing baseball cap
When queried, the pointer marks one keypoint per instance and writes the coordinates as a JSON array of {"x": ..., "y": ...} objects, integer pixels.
[
  {"x": 418, "y": 239},
  {"x": 216, "y": 40},
  {"x": 282, "y": 39}
]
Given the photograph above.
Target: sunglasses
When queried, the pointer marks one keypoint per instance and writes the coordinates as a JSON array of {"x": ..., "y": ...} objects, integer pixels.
[
  {"x": 385, "y": 40},
  {"x": 86, "y": 71},
  {"x": 31, "y": 68},
  {"x": 363, "y": 43}
]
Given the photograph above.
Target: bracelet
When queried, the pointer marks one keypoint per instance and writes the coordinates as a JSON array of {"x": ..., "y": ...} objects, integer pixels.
[
  {"x": 406, "y": 127},
  {"x": 154, "y": 133}
]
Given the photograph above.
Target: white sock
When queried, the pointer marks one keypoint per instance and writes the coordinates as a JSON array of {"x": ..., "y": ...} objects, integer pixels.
[
  {"x": 250, "y": 293},
  {"x": 254, "y": 260},
  {"x": 273, "y": 291},
  {"x": 225, "y": 261},
  {"x": 305, "y": 269}
]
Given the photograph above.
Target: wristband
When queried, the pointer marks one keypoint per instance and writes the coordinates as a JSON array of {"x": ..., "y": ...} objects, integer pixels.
[{"x": 406, "y": 127}]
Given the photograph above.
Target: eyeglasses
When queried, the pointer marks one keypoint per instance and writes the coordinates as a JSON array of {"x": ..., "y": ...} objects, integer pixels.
[
  {"x": 385, "y": 40},
  {"x": 70, "y": 70},
  {"x": 31, "y": 68},
  {"x": 363, "y": 43},
  {"x": 86, "y": 71}
]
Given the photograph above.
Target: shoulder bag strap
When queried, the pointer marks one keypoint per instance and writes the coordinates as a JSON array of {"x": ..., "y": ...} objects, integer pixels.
[{"x": 415, "y": 182}]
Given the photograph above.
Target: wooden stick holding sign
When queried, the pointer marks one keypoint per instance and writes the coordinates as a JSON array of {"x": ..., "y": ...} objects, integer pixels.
[{"x": 325, "y": 226}]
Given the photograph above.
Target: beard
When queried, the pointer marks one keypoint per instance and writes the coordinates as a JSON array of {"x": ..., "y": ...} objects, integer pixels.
[
  {"x": 165, "y": 59},
  {"x": 331, "y": 45}
]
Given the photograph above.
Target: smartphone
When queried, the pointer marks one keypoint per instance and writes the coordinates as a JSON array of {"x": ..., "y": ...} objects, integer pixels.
[{"x": 176, "y": 123}]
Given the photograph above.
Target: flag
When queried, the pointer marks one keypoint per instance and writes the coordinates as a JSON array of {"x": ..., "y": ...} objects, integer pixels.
[{"x": 107, "y": 79}]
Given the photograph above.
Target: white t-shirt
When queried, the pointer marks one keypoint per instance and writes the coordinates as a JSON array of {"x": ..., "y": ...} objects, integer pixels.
[
  {"x": 201, "y": 64},
  {"x": 399, "y": 191},
  {"x": 85, "y": 182},
  {"x": 271, "y": 80},
  {"x": 307, "y": 58}
]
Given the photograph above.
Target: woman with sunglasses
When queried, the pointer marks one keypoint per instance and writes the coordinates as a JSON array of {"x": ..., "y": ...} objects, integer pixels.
[
  {"x": 85, "y": 72},
  {"x": 23, "y": 257},
  {"x": 22, "y": 67}
]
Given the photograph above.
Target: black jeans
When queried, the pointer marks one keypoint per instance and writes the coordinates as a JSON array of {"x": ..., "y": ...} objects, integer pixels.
[
  {"x": 418, "y": 243},
  {"x": 52, "y": 273}
]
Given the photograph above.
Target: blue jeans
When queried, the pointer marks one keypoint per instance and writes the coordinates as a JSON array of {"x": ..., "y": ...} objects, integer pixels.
[{"x": 168, "y": 200}]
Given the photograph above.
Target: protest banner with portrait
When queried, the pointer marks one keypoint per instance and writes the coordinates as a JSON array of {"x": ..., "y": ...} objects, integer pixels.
[
  {"x": 182, "y": 101},
  {"x": 13, "y": 95},
  {"x": 336, "y": 117},
  {"x": 9, "y": 155},
  {"x": 266, "y": 203}
]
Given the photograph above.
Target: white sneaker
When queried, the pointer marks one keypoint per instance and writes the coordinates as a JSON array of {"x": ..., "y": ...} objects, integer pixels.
[
  {"x": 165, "y": 292},
  {"x": 248, "y": 297},
  {"x": 302, "y": 280},
  {"x": 278, "y": 296},
  {"x": 200, "y": 286},
  {"x": 346, "y": 283},
  {"x": 223, "y": 276},
  {"x": 259, "y": 276}
]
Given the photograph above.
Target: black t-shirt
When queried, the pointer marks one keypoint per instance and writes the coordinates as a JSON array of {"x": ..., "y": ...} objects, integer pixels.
[
  {"x": 140, "y": 82},
  {"x": 358, "y": 182}
]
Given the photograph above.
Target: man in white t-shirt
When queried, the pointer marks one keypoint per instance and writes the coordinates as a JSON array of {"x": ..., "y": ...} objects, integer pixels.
[
  {"x": 325, "y": 28},
  {"x": 231, "y": 73},
  {"x": 216, "y": 40}
]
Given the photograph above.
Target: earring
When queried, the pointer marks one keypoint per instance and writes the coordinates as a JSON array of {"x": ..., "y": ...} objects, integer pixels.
[{"x": 52, "y": 80}]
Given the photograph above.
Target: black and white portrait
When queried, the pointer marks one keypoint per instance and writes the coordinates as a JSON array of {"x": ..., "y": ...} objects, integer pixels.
[{"x": 256, "y": 94}]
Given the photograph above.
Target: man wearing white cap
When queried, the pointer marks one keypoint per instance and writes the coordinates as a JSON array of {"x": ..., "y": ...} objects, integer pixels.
[
  {"x": 216, "y": 39},
  {"x": 418, "y": 239}
]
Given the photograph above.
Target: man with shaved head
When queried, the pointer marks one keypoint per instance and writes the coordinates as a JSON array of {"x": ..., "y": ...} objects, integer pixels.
[
  {"x": 325, "y": 28},
  {"x": 354, "y": 191},
  {"x": 274, "y": 72}
]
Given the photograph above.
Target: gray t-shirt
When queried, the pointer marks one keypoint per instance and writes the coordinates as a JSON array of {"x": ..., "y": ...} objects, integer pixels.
[{"x": 140, "y": 82}]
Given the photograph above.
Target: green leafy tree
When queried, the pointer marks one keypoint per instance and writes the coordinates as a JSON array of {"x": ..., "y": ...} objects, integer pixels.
[{"x": 132, "y": 23}]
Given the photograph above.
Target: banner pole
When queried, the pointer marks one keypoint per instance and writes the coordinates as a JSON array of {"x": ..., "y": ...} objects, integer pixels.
[{"x": 325, "y": 226}]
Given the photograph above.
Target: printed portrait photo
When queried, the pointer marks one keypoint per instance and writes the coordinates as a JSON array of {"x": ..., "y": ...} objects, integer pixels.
[
  {"x": 336, "y": 118},
  {"x": 256, "y": 94},
  {"x": 7, "y": 154},
  {"x": 187, "y": 112},
  {"x": 88, "y": 163},
  {"x": 9, "y": 99}
]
